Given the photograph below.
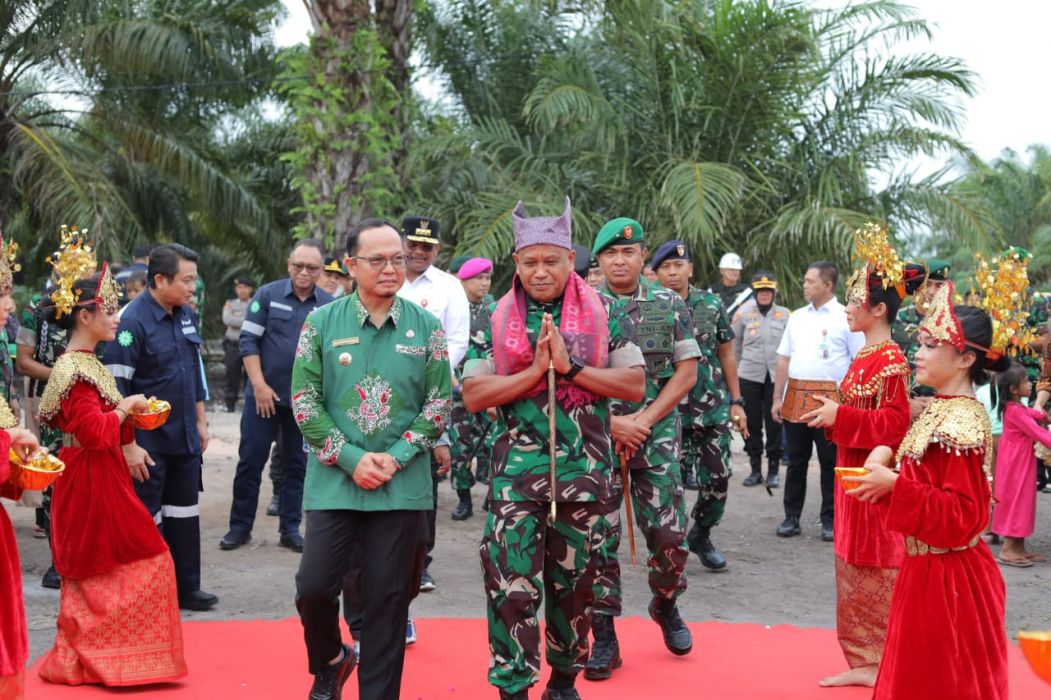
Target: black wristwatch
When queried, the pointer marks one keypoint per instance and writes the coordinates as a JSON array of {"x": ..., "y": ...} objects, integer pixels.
[
  {"x": 737, "y": 402},
  {"x": 575, "y": 365}
]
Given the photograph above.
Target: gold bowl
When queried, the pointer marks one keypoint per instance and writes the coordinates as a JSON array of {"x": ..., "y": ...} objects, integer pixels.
[
  {"x": 849, "y": 471},
  {"x": 36, "y": 474},
  {"x": 1037, "y": 649},
  {"x": 153, "y": 418}
]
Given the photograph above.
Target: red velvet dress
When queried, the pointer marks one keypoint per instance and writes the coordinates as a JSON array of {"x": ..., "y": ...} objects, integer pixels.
[
  {"x": 118, "y": 623},
  {"x": 14, "y": 643},
  {"x": 946, "y": 636},
  {"x": 874, "y": 411}
]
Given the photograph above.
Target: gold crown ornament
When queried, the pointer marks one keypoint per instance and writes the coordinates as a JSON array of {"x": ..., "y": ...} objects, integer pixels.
[
  {"x": 8, "y": 266},
  {"x": 1003, "y": 285},
  {"x": 108, "y": 292},
  {"x": 74, "y": 260},
  {"x": 881, "y": 264}
]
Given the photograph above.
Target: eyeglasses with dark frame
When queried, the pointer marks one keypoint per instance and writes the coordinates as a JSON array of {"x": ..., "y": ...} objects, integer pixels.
[{"x": 378, "y": 263}]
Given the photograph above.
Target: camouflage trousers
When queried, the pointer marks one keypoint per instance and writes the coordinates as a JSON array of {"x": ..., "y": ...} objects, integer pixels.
[
  {"x": 471, "y": 435},
  {"x": 525, "y": 561},
  {"x": 659, "y": 507},
  {"x": 706, "y": 450}
]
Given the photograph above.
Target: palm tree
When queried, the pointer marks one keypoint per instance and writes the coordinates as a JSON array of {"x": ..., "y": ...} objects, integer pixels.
[{"x": 753, "y": 126}]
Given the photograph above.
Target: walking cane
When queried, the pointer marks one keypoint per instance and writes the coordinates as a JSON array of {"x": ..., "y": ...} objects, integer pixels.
[
  {"x": 551, "y": 435},
  {"x": 627, "y": 504}
]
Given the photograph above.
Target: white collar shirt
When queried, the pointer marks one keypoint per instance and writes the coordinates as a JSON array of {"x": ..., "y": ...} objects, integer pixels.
[
  {"x": 819, "y": 343},
  {"x": 442, "y": 294}
]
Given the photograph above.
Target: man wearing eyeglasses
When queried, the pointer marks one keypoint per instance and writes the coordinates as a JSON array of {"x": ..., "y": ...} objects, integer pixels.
[
  {"x": 442, "y": 294},
  {"x": 269, "y": 336}
]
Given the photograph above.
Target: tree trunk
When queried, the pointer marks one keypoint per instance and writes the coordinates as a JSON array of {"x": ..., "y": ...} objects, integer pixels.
[{"x": 394, "y": 21}]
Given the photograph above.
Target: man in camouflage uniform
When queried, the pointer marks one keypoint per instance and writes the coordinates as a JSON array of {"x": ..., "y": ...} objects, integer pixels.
[
  {"x": 707, "y": 408},
  {"x": 549, "y": 319},
  {"x": 470, "y": 432},
  {"x": 39, "y": 344},
  {"x": 647, "y": 436},
  {"x": 905, "y": 331}
]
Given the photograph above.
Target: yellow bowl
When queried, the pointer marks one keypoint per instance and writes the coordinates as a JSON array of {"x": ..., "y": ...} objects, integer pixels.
[
  {"x": 38, "y": 473},
  {"x": 1037, "y": 649},
  {"x": 849, "y": 471},
  {"x": 154, "y": 418}
]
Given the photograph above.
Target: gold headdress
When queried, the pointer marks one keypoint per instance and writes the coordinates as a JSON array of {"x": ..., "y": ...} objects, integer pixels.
[
  {"x": 74, "y": 260},
  {"x": 8, "y": 266},
  {"x": 1004, "y": 286},
  {"x": 882, "y": 264}
]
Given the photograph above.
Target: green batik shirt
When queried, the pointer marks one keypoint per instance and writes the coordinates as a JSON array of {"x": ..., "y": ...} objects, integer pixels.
[
  {"x": 905, "y": 331},
  {"x": 583, "y": 451},
  {"x": 663, "y": 331},
  {"x": 357, "y": 388},
  {"x": 706, "y": 404}
]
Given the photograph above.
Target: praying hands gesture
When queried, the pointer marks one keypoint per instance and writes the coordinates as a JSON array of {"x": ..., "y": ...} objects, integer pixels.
[{"x": 551, "y": 348}]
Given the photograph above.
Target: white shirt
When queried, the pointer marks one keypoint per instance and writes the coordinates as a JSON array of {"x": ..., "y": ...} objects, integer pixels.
[
  {"x": 443, "y": 295},
  {"x": 819, "y": 343}
]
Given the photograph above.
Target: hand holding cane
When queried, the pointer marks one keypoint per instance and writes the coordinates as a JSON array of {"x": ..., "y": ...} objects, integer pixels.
[
  {"x": 624, "y": 475},
  {"x": 551, "y": 435}
]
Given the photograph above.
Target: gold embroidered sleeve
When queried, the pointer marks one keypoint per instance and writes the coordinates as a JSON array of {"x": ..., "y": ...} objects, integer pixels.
[
  {"x": 7, "y": 416},
  {"x": 70, "y": 368}
]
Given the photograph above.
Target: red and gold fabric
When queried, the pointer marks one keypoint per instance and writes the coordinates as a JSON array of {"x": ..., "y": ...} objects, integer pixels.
[
  {"x": 14, "y": 642},
  {"x": 946, "y": 635},
  {"x": 863, "y": 595}
]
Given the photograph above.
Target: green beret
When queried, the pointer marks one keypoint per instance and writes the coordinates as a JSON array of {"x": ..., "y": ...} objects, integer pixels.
[
  {"x": 938, "y": 269},
  {"x": 619, "y": 231},
  {"x": 458, "y": 262}
]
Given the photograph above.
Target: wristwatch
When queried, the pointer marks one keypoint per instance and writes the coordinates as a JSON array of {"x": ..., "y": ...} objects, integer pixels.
[
  {"x": 737, "y": 402},
  {"x": 575, "y": 365}
]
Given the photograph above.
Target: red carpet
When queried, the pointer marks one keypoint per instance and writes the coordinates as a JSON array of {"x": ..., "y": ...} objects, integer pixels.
[{"x": 265, "y": 660}]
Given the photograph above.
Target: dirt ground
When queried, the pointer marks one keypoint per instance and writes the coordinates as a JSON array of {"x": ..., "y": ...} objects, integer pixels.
[{"x": 769, "y": 580}]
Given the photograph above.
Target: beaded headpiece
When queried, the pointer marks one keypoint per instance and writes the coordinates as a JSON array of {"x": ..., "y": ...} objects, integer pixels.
[
  {"x": 1004, "y": 286},
  {"x": 8, "y": 266},
  {"x": 108, "y": 292},
  {"x": 882, "y": 266},
  {"x": 74, "y": 260},
  {"x": 940, "y": 318}
]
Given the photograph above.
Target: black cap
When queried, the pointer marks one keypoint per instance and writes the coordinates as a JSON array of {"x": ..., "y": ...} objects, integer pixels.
[
  {"x": 420, "y": 229},
  {"x": 244, "y": 280},
  {"x": 583, "y": 261}
]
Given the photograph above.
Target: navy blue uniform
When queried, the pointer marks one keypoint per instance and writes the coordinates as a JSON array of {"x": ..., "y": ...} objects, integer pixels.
[
  {"x": 157, "y": 353},
  {"x": 271, "y": 330}
]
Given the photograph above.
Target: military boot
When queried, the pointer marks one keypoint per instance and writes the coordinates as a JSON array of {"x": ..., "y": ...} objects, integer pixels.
[
  {"x": 560, "y": 687},
  {"x": 605, "y": 653},
  {"x": 465, "y": 509},
  {"x": 699, "y": 540},
  {"x": 773, "y": 478},
  {"x": 520, "y": 695},
  {"x": 756, "y": 477},
  {"x": 677, "y": 636}
]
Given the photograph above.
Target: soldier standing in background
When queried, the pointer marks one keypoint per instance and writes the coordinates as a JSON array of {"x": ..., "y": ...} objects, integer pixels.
[
  {"x": 730, "y": 289},
  {"x": 647, "y": 436},
  {"x": 470, "y": 431},
  {"x": 905, "y": 331},
  {"x": 549, "y": 319},
  {"x": 234, "y": 311},
  {"x": 757, "y": 332},
  {"x": 707, "y": 409}
]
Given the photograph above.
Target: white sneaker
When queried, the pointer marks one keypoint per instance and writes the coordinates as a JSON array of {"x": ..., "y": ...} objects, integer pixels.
[{"x": 410, "y": 632}]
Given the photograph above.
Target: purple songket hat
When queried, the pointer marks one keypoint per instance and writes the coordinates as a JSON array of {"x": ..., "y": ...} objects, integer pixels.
[{"x": 542, "y": 230}]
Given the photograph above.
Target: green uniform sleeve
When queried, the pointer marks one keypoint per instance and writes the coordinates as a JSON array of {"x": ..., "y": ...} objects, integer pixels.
[
  {"x": 308, "y": 405},
  {"x": 723, "y": 332},
  {"x": 433, "y": 419},
  {"x": 686, "y": 347}
]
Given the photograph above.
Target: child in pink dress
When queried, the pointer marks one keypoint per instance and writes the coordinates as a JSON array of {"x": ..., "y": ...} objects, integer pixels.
[{"x": 1014, "y": 516}]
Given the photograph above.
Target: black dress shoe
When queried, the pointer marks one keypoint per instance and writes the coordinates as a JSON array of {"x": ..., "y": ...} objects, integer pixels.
[
  {"x": 273, "y": 509},
  {"x": 198, "y": 600},
  {"x": 51, "y": 579},
  {"x": 233, "y": 540},
  {"x": 677, "y": 636},
  {"x": 789, "y": 528},
  {"x": 753, "y": 479},
  {"x": 329, "y": 681},
  {"x": 605, "y": 652},
  {"x": 773, "y": 480},
  {"x": 293, "y": 542},
  {"x": 827, "y": 533}
]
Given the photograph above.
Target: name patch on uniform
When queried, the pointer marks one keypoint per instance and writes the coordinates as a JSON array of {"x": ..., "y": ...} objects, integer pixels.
[
  {"x": 341, "y": 342},
  {"x": 415, "y": 350}
]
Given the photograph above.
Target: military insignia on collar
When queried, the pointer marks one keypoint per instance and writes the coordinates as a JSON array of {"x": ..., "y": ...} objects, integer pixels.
[
  {"x": 628, "y": 232},
  {"x": 125, "y": 339},
  {"x": 680, "y": 250}
]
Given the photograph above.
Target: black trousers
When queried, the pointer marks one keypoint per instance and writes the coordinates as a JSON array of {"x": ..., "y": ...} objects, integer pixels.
[
  {"x": 171, "y": 495},
  {"x": 801, "y": 443},
  {"x": 432, "y": 515},
  {"x": 758, "y": 399},
  {"x": 235, "y": 372},
  {"x": 391, "y": 557}
]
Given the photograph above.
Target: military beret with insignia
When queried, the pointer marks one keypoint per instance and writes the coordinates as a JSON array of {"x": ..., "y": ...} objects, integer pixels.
[
  {"x": 672, "y": 250},
  {"x": 420, "y": 229},
  {"x": 619, "y": 231},
  {"x": 938, "y": 269}
]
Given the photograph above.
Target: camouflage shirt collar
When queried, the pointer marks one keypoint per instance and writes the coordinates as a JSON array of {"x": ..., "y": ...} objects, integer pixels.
[{"x": 644, "y": 292}]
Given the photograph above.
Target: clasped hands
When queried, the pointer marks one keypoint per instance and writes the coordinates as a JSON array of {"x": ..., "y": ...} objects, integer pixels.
[
  {"x": 374, "y": 469},
  {"x": 629, "y": 432},
  {"x": 550, "y": 349}
]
